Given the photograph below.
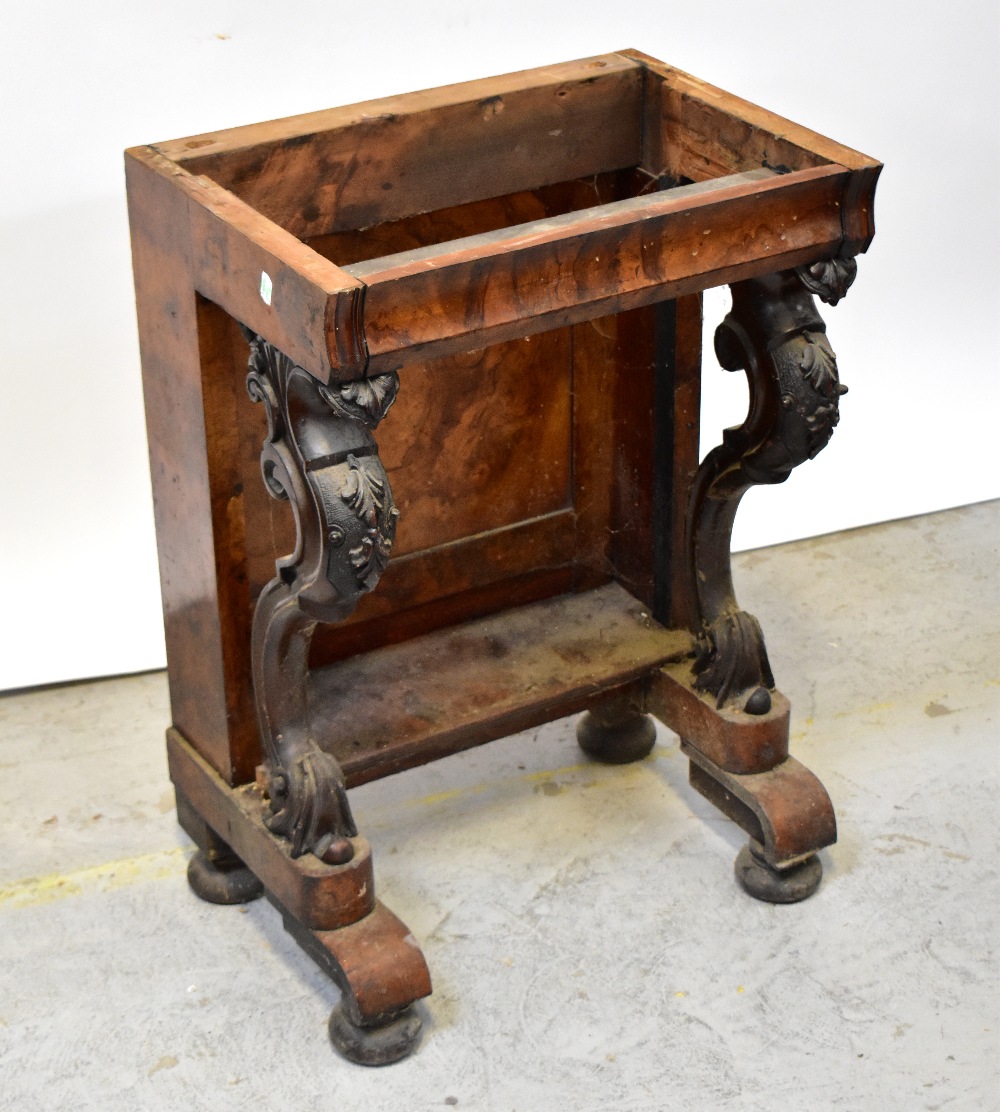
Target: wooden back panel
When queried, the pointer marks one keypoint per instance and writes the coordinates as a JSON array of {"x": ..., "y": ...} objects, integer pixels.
[{"x": 521, "y": 470}]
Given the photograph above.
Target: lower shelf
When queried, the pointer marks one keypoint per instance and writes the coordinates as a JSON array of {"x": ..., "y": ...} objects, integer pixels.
[{"x": 408, "y": 704}]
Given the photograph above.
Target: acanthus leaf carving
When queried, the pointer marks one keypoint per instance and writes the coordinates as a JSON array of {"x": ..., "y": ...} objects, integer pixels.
[
  {"x": 731, "y": 659},
  {"x": 829, "y": 279},
  {"x": 371, "y": 501},
  {"x": 363, "y": 492},
  {"x": 819, "y": 365},
  {"x": 309, "y": 807},
  {"x": 364, "y": 399}
]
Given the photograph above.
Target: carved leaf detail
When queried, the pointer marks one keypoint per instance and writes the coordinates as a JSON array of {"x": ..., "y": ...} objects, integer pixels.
[
  {"x": 829, "y": 279},
  {"x": 367, "y": 496},
  {"x": 363, "y": 492},
  {"x": 732, "y": 660},
  {"x": 373, "y": 395},
  {"x": 372, "y": 555},
  {"x": 819, "y": 365},
  {"x": 366, "y": 399},
  {"x": 308, "y": 804}
]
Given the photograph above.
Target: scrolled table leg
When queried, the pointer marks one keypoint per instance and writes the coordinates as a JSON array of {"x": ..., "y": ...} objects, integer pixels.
[
  {"x": 775, "y": 334},
  {"x": 320, "y": 456}
]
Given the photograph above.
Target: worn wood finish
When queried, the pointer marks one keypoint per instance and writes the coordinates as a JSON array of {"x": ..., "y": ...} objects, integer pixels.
[
  {"x": 775, "y": 334},
  {"x": 257, "y": 191},
  {"x": 373, "y": 960},
  {"x": 332, "y": 643},
  {"x": 693, "y": 130},
  {"x": 319, "y": 455},
  {"x": 206, "y": 647},
  {"x": 446, "y": 691},
  {"x": 386, "y": 159},
  {"x": 314, "y": 310},
  {"x": 529, "y": 252},
  {"x": 321, "y": 896},
  {"x": 733, "y": 740},
  {"x": 492, "y": 214},
  {"x": 785, "y": 809},
  {"x": 680, "y": 406},
  {"x": 533, "y": 277}
]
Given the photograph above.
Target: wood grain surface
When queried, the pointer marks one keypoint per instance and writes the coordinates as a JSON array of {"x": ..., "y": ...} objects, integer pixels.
[
  {"x": 448, "y": 690},
  {"x": 385, "y": 159}
]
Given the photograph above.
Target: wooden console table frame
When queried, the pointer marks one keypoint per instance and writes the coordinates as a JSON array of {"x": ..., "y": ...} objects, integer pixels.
[{"x": 519, "y": 260}]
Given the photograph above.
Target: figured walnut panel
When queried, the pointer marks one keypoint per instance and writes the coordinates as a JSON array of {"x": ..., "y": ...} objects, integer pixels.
[
  {"x": 475, "y": 443},
  {"x": 545, "y": 274}
]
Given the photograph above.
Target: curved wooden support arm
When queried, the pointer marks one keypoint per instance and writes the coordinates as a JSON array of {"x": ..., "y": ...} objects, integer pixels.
[
  {"x": 321, "y": 457},
  {"x": 776, "y": 335}
]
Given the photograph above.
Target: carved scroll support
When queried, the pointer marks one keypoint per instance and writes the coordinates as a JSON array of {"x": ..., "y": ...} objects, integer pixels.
[
  {"x": 320, "y": 456},
  {"x": 775, "y": 334}
]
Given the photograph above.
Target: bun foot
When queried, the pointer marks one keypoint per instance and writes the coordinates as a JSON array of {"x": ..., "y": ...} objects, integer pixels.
[
  {"x": 223, "y": 880},
  {"x": 779, "y": 886},
  {"x": 613, "y": 737},
  {"x": 375, "y": 1046}
]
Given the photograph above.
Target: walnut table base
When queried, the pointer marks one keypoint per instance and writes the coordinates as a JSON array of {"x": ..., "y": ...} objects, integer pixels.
[{"x": 448, "y": 346}]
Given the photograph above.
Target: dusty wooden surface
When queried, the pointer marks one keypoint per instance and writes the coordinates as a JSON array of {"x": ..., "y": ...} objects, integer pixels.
[{"x": 463, "y": 686}]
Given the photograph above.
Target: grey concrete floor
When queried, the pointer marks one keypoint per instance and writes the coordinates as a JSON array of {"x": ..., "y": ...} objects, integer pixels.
[{"x": 589, "y": 947}]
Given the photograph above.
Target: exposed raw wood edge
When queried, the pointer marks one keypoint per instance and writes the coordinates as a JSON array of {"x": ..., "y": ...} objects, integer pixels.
[
  {"x": 314, "y": 314},
  {"x": 406, "y": 104},
  {"x": 431, "y": 311},
  {"x": 551, "y": 229},
  {"x": 753, "y": 114}
]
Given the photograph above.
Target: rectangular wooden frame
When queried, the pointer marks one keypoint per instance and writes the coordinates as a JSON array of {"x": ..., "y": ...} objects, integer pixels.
[{"x": 258, "y": 191}]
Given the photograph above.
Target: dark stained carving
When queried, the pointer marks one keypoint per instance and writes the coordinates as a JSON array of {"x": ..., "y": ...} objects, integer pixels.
[
  {"x": 366, "y": 399},
  {"x": 732, "y": 659},
  {"x": 320, "y": 456},
  {"x": 775, "y": 334},
  {"x": 829, "y": 279}
]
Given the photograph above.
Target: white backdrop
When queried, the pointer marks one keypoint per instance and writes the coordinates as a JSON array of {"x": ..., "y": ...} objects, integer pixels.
[{"x": 916, "y": 87}]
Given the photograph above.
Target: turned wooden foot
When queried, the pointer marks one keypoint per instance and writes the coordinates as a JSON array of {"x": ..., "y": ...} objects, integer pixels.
[
  {"x": 381, "y": 1045},
  {"x": 616, "y": 733},
  {"x": 222, "y": 879},
  {"x": 779, "y": 886},
  {"x": 616, "y": 742}
]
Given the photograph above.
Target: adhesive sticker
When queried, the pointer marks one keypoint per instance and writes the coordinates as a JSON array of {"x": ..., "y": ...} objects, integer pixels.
[{"x": 265, "y": 287}]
